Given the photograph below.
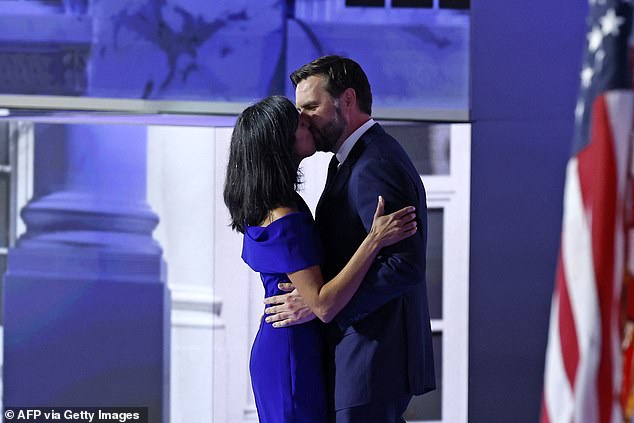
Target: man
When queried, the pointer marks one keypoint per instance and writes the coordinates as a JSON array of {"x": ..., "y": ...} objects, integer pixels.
[{"x": 380, "y": 351}]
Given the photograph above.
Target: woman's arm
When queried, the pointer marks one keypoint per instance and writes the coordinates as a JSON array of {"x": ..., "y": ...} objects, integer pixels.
[{"x": 327, "y": 299}]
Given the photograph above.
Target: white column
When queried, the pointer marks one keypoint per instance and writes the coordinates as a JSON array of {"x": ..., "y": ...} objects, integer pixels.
[
  {"x": 181, "y": 180},
  {"x": 85, "y": 297}
]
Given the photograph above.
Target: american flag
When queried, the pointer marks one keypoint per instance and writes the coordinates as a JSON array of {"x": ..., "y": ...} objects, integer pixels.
[{"x": 584, "y": 366}]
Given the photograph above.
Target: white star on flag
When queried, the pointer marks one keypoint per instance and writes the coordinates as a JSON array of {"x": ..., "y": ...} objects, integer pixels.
[
  {"x": 586, "y": 76},
  {"x": 610, "y": 23},
  {"x": 595, "y": 38}
]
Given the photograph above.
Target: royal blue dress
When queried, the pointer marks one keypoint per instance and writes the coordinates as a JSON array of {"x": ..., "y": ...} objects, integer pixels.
[{"x": 287, "y": 372}]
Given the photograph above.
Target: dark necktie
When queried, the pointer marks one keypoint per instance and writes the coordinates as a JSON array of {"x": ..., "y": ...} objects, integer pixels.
[{"x": 332, "y": 170}]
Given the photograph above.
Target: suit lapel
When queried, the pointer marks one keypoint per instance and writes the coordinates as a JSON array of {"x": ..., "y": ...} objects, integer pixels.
[
  {"x": 339, "y": 180},
  {"x": 345, "y": 169}
]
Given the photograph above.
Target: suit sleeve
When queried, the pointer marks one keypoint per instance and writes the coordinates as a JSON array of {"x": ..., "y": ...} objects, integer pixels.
[{"x": 397, "y": 268}]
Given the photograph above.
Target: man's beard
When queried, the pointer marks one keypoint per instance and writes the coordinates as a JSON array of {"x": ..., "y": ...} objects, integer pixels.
[{"x": 327, "y": 137}]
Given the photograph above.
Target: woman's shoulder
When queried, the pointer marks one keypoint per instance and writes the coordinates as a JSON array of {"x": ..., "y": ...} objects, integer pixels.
[
  {"x": 282, "y": 222},
  {"x": 277, "y": 214},
  {"x": 296, "y": 211},
  {"x": 288, "y": 243}
]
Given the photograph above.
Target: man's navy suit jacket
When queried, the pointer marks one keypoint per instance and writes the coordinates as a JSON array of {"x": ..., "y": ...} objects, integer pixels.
[{"x": 380, "y": 343}]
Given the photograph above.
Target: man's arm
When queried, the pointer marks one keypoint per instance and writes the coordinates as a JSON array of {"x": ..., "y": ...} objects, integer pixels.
[
  {"x": 397, "y": 268},
  {"x": 400, "y": 267}
]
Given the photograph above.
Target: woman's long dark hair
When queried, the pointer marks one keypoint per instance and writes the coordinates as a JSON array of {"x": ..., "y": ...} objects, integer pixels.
[{"x": 261, "y": 173}]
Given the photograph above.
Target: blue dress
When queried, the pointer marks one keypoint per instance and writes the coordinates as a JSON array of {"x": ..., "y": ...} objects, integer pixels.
[{"x": 287, "y": 372}]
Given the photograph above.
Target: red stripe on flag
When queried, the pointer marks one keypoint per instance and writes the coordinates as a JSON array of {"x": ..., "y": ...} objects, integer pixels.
[
  {"x": 567, "y": 329},
  {"x": 597, "y": 175},
  {"x": 544, "y": 416}
]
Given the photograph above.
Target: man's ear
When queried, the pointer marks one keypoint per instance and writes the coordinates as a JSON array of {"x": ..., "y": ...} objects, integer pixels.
[{"x": 349, "y": 98}]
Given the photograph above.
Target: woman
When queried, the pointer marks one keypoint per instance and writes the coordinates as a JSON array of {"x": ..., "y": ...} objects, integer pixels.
[{"x": 269, "y": 141}]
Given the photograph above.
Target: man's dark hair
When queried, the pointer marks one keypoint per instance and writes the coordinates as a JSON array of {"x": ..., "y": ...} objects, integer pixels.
[
  {"x": 340, "y": 73},
  {"x": 261, "y": 173}
]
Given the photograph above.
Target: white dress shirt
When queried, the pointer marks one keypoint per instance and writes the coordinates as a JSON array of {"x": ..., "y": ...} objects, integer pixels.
[{"x": 349, "y": 143}]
